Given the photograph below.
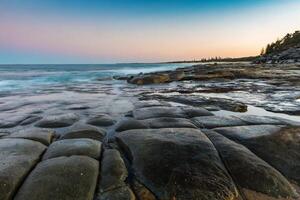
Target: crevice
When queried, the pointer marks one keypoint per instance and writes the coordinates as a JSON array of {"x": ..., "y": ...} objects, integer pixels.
[
  {"x": 99, "y": 174},
  {"x": 23, "y": 179},
  {"x": 240, "y": 191}
]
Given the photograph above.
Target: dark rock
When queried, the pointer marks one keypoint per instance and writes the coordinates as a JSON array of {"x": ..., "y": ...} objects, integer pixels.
[
  {"x": 249, "y": 171},
  {"x": 129, "y": 123},
  {"x": 167, "y": 122},
  {"x": 217, "y": 121},
  {"x": 66, "y": 178},
  {"x": 177, "y": 164},
  {"x": 142, "y": 192},
  {"x": 175, "y": 112},
  {"x": 30, "y": 120},
  {"x": 57, "y": 121},
  {"x": 71, "y": 147},
  {"x": 113, "y": 171},
  {"x": 277, "y": 145},
  {"x": 2, "y": 134},
  {"x": 202, "y": 101},
  {"x": 155, "y": 112},
  {"x": 84, "y": 131},
  {"x": 17, "y": 158},
  {"x": 101, "y": 120},
  {"x": 195, "y": 112},
  {"x": 44, "y": 136},
  {"x": 150, "y": 79},
  {"x": 122, "y": 193},
  {"x": 78, "y": 107}
]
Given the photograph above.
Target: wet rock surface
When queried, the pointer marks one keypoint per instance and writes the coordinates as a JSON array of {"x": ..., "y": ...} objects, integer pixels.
[
  {"x": 184, "y": 164},
  {"x": 155, "y": 150},
  {"x": 71, "y": 147},
  {"x": 249, "y": 171},
  {"x": 57, "y": 121},
  {"x": 17, "y": 158},
  {"x": 44, "y": 136},
  {"x": 61, "y": 178},
  {"x": 83, "y": 131},
  {"x": 279, "y": 146}
]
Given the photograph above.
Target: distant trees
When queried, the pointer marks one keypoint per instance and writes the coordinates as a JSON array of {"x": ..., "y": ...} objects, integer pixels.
[{"x": 290, "y": 40}]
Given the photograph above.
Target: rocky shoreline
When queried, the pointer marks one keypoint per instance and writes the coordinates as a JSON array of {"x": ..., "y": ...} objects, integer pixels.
[
  {"x": 277, "y": 83},
  {"x": 154, "y": 142},
  {"x": 155, "y": 151}
]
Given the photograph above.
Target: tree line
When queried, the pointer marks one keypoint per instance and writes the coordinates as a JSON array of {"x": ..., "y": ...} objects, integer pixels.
[{"x": 288, "y": 41}]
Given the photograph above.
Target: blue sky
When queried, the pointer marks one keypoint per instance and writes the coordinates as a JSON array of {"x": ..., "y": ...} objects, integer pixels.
[{"x": 98, "y": 31}]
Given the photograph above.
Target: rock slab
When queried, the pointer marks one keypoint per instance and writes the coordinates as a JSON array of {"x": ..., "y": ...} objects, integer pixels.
[
  {"x": 62, "y": 178},
  {"x": 17, "y": 158}
]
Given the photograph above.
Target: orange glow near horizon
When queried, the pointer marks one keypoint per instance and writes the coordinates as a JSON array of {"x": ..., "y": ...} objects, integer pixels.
[{"x": 237, "y": 35}]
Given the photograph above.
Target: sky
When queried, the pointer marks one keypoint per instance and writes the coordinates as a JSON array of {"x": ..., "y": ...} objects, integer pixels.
[{"x": 112, "y": 31}]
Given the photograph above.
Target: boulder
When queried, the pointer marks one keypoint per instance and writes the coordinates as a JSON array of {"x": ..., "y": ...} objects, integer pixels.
[
  {"x": 57, "y": 121},
  {"x": 130, "y": 123},
  {"x": 113, "y": 171},
  {"x": 101, "y": 120},
  {"x": 167, "y": 122},
  {"x": 250, "y": 172},
  {"x": 217, "y": 121},
  {"x": 277, "y": 145},
  {"x": 150, "y": 79},
  {"x": 66, "y": 178},
  {"x": 177, "y": 164},
  {"x": 71, "y": 147},
  {"x": 17, "y": 158},
  {"x": 44, "y": 136},
  {"x": 84, "y": 131}
]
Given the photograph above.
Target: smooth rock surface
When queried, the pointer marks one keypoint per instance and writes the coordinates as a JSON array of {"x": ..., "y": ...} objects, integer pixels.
[
  {"x": 177, "y": 164},
  {"x": 129, "y": 123},
  {"x": 167, "y": 122},
  {"x": 57, "y": 121},
  {"x": 158, "y": 111},
  {"x": 247, "y": 132},
  {"x": 278, "y": 146},
  {"x": 175, "y": 112},
  {"x": 101, "y": 120},
  {"x": 259, "y": 120},
  {"x": 44, "y": 136},
  {"x": 17, "y": 158},
  {"x": 71, "y": 147},
  {"x": 84, "y": 131},
  {"x": 62, "y": 178},
  {"x": 249, "y": 171},
  {"x": 30, "y": 120},
  {"x": 113, "y": 171},
  {"x": 217, "y": 121},
  {"x": 150, "y": 103}
]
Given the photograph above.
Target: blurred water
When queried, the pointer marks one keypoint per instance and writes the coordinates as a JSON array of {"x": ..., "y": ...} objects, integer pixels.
[{"x": 26, "y": 77}]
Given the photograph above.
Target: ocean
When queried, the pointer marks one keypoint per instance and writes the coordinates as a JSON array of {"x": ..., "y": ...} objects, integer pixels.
[{"x": 22, "y": 78}]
